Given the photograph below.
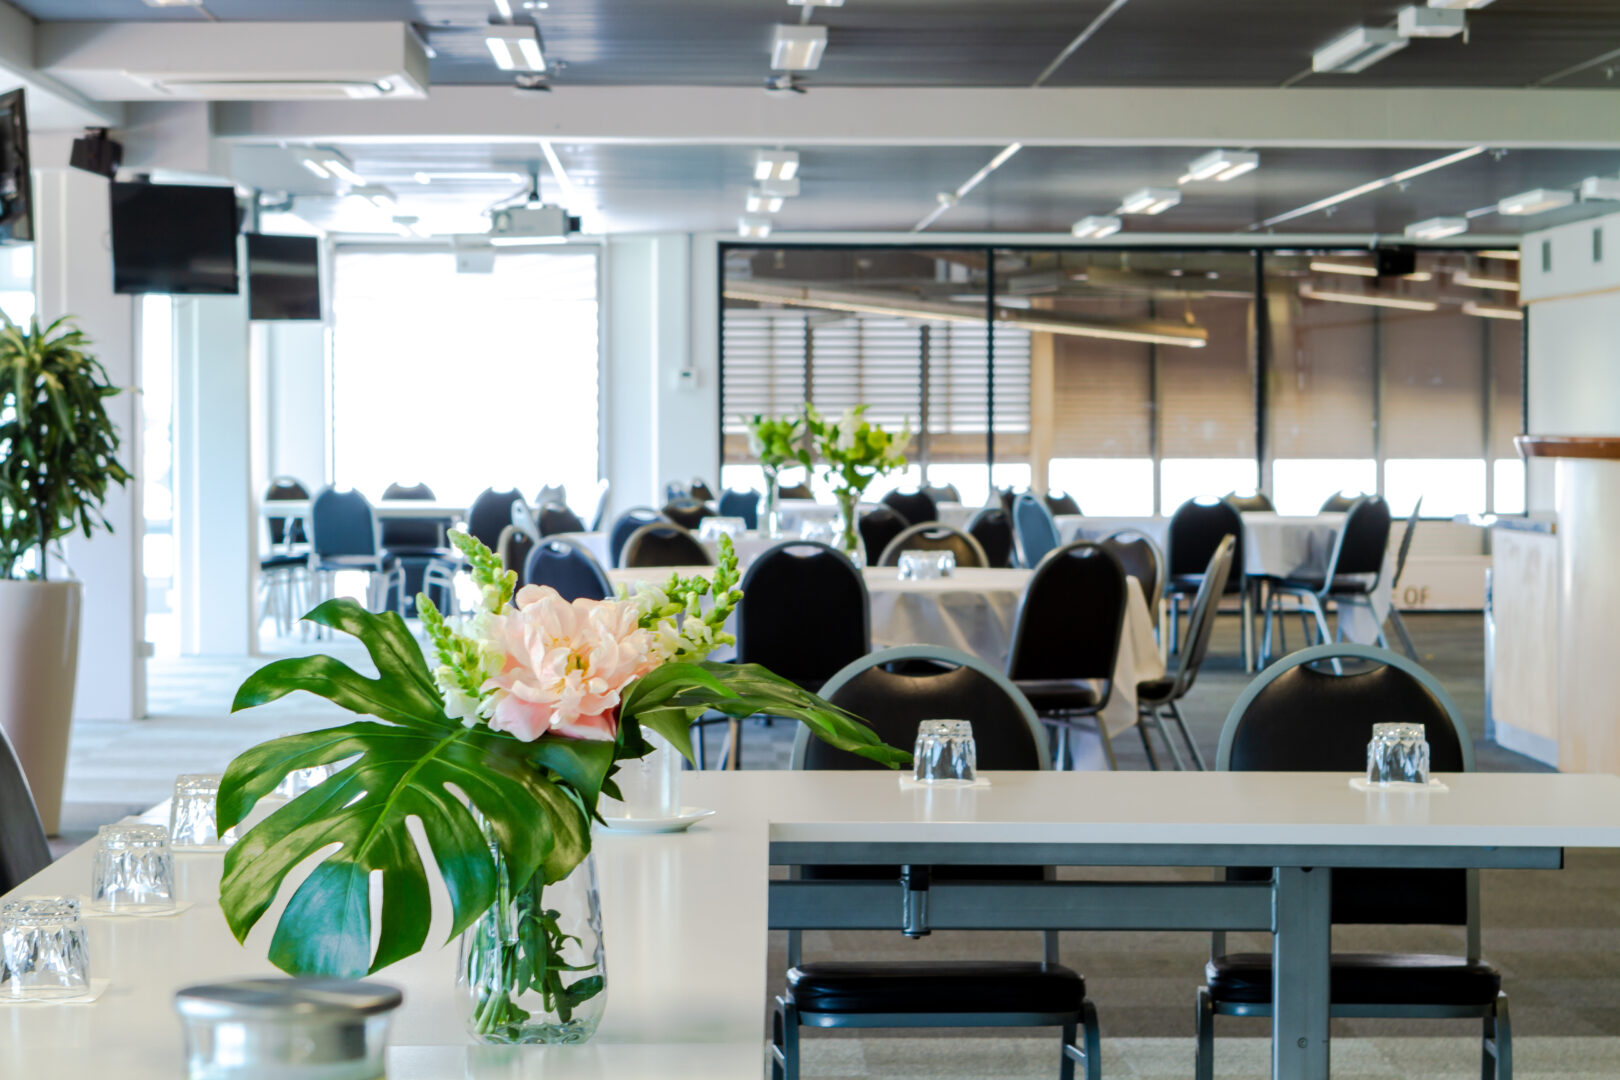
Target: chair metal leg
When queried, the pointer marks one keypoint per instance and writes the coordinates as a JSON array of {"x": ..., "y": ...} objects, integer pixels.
[
  {"x": 734, "y": 745},
  {"x": 1088, "y": 1018},
  {"x": 701, "y": 746},
  {"x": 1499, "y": 1041},
  {"x": 1246, "y": 613},
  {"x": 1165, "y": 736},
  {"x": 1181, "y": 722},
  {"x": 1204, "y": 1056},
  {"x": 1063, "y": 747},
  {"x": 1107, "y": 745},
  {"x": 785, "y": 1042},
  {"x": 1065, "y": 1058},
  {"x": 1175, "y": 624},
  {"x": 1142, "y": 716},
  {"x": 1400, "y": 632}
]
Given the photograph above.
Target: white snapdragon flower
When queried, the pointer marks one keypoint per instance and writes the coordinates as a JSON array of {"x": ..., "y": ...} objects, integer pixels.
[
  {"x": 846, "y": 430},
  {"x": 667, "y": 639},
  {"x": 756, "y": 445}
]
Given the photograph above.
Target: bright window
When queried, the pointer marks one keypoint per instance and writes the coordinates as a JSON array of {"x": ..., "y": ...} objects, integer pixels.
[
  {"x": 159, "y": 556},
  {"x": 1302, "y": 485},
  {"x": 465, "y": 381},
  {"x": 17, "y": 283},
  {"x": 1105, "y": 487},
  {"x": 1448, "y": 486},
  {"x": 1181, "y": 479},
  {"x": 1508, "y": 477}
]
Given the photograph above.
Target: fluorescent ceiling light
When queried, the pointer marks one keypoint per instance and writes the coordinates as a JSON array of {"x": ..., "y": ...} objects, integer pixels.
[
  {"x": 469, "y": 177},
  {"x": 1369, "y": 301},
  {"x": 1149, "y": 201},
  {"x": 1430, "y": 22},
  {"x": 1437, "y": 228},
  {"x": 1499, "y": 253},
  {"x": 1466, "y": 5},
  {"x": 515, "y": 48},
  {"x": 1484, "y": 312},
  {"x": 376, "y": 195},
  {"x": 1356, "y": 51},
  {"x": 776, "y": 165},
  {"x": 330, "y": 165},
  {"x": 174, "y": 3},
  {"x": 1095, "y": 228},
  {"x": 524, "y": 241},
  {"x": 824, "y": 3},
  {"x": 1322, "y": 266},
  {"x": 782, "y": 189},
  {"x": 798, "y": 47},
  {"x": 995, "y": 163},
  {"x": 761, "y": 203},
  {"x": 1221, "y": 165},
  {"x": 753, "y": 228},
  {"x": 504, "y": 7},
  {"x": 1462, "y": 277},
  {"x": 1600, "y": 187},
  {"x": 1537, "y": 201}
]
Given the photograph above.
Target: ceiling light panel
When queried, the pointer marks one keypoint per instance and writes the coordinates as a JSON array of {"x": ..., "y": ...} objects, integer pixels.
[
  {"x": 761, "y": 203},
  {"x": 1462, "y": 5},
  {"x": 1322, "y": 266},
  {"x": 1437, "y": 228},
  {"x": 782, "y": 189},
  {"x": 1465, "y": 278},
  {"x": 1486, "y": 312},
  {"x": 515, "y": 48},
  {"x": 798, "y": 47},
  {"x": 1367, "y": 300},
  {"x": 1221, "y": 165},
  {"x": 1430, "y": 22},
  {"x": 1095, "y": 228},
  {"x": 174, "y": 3},
  {"x": 1600, "y": 187},
  {"x": 1356, "y": 51},
  {"x": 1537, "y": 201},
  {"x": 1149, "y": 201},
  {"x": 753, "y": 228},
  {"x": 776, "y": 165},
  {"x": 815, "y": 3}
]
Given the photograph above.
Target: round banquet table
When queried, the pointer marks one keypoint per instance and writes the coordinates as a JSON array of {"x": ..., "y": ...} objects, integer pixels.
[{"x": 974, "y": 611}]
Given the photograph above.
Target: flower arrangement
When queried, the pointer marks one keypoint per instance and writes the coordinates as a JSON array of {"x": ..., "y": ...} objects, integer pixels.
[
  {"x": 856, "y": 452},
  {"x": 501, "y": 751},
  {"x": 778, "y": 442}
]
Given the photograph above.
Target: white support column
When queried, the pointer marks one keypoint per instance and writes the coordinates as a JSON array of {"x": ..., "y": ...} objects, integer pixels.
[{"x": 73, "y": 276}]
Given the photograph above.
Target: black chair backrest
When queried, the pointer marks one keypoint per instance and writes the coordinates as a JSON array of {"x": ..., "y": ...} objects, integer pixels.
[
  {"x": 878, "y": 526},
  {"x": 285, "y": 530},
  {"x": 490, "y": 513},
  {"x": 1142, "y": 560},
  {"x": 688, "y": 513},
  {"x": 599, "y": 511},
  {"x": 804, "y": 612},
  {"x": 552, "y": 495},
  {"x": 342, "y": 523},
  {"x": 1195, "y": 532},
  {"x": 1363, "y": 540},
  {"x": 1071, "y": 617},
  {"x": 992, "y": 528},
  {"x": 942, "y": 493},
  {"x": 1201, "y": 616},
  {"x": 895, "y": 689},
  {"x": 1339, "y": 502},
  {"x": 663, "y": 543},
  {"x": 1006, "y": 497},
  {"x": 627, "y": 523},
  {"x": 1298, "y": 716},
  {"x": 1037, "y": 533},
  {"x": 1259, "y": 502},
  {"x": 411, "y": 532},
  {"x": 795, "y": 491},
  {"x": 23, "y": 849},
  {"x": 1406, "y": 543},
  {"x": 1060, "y": 503},
  {"x": 700, "y": 491},
  {"x": 932, "y": 536},
  {"x": 556, "y": 519},
  {"x": 741, "y": 504},
  {"x": 916, "y": 507},
  {"x": 513, "y": 547},
  {"x": 568, "y": 568}
]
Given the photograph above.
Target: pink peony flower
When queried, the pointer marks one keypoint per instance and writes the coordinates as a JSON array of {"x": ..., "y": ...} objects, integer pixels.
[{"x": 566, "y": 665}]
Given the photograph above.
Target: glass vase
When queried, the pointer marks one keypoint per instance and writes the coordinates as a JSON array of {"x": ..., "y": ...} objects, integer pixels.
[
  {"x": 771, "y": 515},
  {"x": 532, "y": 968},
  {"x": 849, "y": 534}
]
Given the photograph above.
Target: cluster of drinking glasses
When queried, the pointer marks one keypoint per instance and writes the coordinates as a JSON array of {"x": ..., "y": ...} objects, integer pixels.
[{"x": 918, "y": 564}]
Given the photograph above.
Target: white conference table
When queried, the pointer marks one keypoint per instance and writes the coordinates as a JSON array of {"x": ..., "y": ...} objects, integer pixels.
[
  {"x": 974, "y": 611},
  {"x": 685, "y": 917},
  {"x": 796, "y": 513},
  {"x": 385, "y": 509}
]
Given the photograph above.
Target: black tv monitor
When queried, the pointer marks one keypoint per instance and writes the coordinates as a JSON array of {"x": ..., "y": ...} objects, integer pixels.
[
  {"x": 284, "y": 277},
  {"x": 174, "y": 238},
  {"x": 16, "y": 193}
]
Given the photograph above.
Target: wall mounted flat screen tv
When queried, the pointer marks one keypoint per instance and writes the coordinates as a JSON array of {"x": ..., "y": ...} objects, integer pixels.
[
  {"x": 284, "y": 277},
  {"x": 16, "y": 193},
  {"x": 174, "y": 238}
]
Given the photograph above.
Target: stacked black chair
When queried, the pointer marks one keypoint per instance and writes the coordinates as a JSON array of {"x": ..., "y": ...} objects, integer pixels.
[
  {"x": 992, "y": 528},
  {"x": 1339, "y": 502},
  {"x": 285, "y": 531},
  {"x": 24, "y": 851},
  {"x": 917, "y": 507},
  {"x": 1061, "y": 504},
  {"x": 741, "y": 504},
  {"x": 1142, "y": 560},
  {"x": 556, "y": 518},
  {"x": 627, "y": 523},
  {"x": 567, "y": 567},
  {"x": 417, "y": 543},
  {"x": 663, "y": 543},
  {"x": 1036, "y": 532},
  {"x": 932, "y": 536},
  {"x": 490, "y": 513},
  {"x": 1352, "y": 571},
  {"x": 1166, "y": 693},
  {"x": 895, "y": 689},
  {"x": 1196, "y": 530},
  {"x": 1298, "y": 717},
  {"x": 878, "y": 526},
  {"x": 1258, "y": 502},
  {"x": 688, "y": 513},
  {"x": 1066, "y": 639}
]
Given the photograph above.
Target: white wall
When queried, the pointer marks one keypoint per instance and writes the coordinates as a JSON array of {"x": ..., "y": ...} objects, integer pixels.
[{"x": 297, "y": 386}]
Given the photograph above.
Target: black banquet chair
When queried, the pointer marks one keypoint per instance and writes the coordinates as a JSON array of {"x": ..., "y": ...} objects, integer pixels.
[
  {"x": 1352, "y": 572},
  {"x": 1257, "y": 502},
  {"x": 1166, "y": 693},
  {"x": 1339, "y": 502},
  {"x": 555, "y": 518},
  {"x": 1066, "y": 639},
  {"x": 992, "y": 528},
  {"x": 895, "y": 689},
  {"x": 283, "y": 570},
  {"x": 1142, "y": 560},
  {"x": 799, "y": 492},
  {"x": 741, "y": 504},
  {"x": 932, "y": 536},
  {"x": 1036, "y": 532},
  {"x": 1195, "y": 531},
  {"x": 490, "y": 513},
  {"x": 663, "y": 543},
  {"x": 917, "y": 507},
  {"x": 878, "y": 526},
  {"x": 567, "y": 567},
  {"x": 942, "y": 493},
  {"x": 1298, "y": 717},
  {"x": 627, "y": 523},
  {"x": 343, "y": 535},
  {"x": 688, "y": 513},
  {"x": 420, "y": 546},
  {"x": 24, "y": 851},
  {"x": 1062, "y": 504}
]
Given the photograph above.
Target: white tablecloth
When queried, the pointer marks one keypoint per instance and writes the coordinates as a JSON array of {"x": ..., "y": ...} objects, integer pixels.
[
  {"x": 750, "y": 546},
  {"x": 795, "y": 512},
  {"x": 974, "y": 611}
]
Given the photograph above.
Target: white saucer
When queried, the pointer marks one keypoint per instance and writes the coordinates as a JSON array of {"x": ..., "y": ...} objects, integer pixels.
[
  {"x": 1359, "y": 783},
  {"x": 679, "y": 823}
]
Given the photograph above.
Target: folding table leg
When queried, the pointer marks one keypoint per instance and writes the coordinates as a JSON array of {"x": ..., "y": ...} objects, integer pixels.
[{"x": 1301, "y": 944}]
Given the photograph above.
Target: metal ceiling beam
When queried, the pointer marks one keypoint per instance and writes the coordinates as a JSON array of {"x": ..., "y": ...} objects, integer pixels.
[{"x": 1515, "y": 118}]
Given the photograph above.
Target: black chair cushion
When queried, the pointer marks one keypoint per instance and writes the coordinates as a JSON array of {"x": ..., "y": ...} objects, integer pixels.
[
  {"x": 283, "y": 561},
  {"x": 1059, "y": 695},
  {"x": 936, "y": 987},
  {"x": 1155, "y": 690},
  {"x": 1365, "y": 979}
]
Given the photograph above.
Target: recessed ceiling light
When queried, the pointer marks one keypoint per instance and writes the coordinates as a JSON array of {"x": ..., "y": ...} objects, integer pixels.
[
  {"x": 1149, "y": 200},
  {"x": 1322, "y": 266},
  {"x": 1368, "y": 300},
  {"x": 761, "y": 203},
  {"x": 1437, "y": 228},
  {"x": 776, "y": 165},
  {"x": 1430, "y": 22},
  {"x": 1600, "y": 187},
  {"x": 1221, "y": 165},
  {"x": 1095, "y": 228},
  {"x": 1486, "y": 312},
  {"x": 515, "y": 48},
  {"x": 1463, "y": 277},
  {"x": 1537, "y": 201},
  {"x": 798, "y": 47},
  {"x": 1356, "y": 51},
  {"x": 785, "y": 189},
  {"x": 753, "y": 228},
  {"x": 1466, "y": 5}
]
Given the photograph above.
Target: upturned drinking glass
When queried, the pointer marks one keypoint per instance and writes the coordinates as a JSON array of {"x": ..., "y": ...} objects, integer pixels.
[
  {"x": 713, "y": 528},
  {"x": 134, "y": 870},
  {"x": 651, "y": 785},
  {"x": 1398, "y": 753},
  {"x": 299, "y": 781},
  {"x": 945, "y": 752},
  {"x": 286, "y": 1029},
  {"x": 45, "y": 951},
  {"x": 922, "y": 565},
  {"x": 191, "y": 813}
]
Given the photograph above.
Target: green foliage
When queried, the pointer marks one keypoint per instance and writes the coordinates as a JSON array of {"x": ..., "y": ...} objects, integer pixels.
[
  {"x": 495, "y": 585},
  {"x": 855, "y": 450},
  {"x": 779, "y": 441},
  {"x": 58, "y": 446}
]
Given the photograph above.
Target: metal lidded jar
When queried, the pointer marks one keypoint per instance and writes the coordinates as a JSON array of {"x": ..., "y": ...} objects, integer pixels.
[{"x": 286, "y": 1029}]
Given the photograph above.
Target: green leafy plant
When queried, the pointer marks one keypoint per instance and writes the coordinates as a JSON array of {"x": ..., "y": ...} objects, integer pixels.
[
  {"x": 58, "y": 446},
  {"x": 779, "y": 442},
  {"x": 855, "y": 452}
]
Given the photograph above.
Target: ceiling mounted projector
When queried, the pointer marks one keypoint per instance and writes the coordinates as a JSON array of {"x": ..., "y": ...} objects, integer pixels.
[{"x": 531, "y": 225}]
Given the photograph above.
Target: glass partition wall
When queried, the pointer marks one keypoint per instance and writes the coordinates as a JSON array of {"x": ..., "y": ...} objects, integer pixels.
[{"x": 1134, "y": 379}]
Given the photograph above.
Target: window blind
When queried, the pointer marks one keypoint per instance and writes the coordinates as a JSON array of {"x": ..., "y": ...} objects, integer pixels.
[
  {"x": 1434, "y": 384},
  {"x": 1320, "y": 387},
  {"x": 1103, "y": 389},
  {"x": 1206, "y": 396}
]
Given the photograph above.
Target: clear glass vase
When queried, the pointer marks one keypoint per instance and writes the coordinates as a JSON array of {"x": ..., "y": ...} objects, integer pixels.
[
  {"x": 771, "y": 513},
  {"x": 848, "y": 539},
  {"x": 532, "y": 968}
]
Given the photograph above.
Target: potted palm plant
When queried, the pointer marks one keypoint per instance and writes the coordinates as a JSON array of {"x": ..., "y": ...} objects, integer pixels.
[{"x": 58, "y": 460}]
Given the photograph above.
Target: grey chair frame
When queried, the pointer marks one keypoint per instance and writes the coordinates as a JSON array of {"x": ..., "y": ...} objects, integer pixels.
[
  {"x": 898, "y": 544},
  {"x": 659, "y": 526},
  {"x": 561, "y": 540},
  {"x": 1200, "y": 626},
  {"x": 788, "y": 1018},
  {"x": 1496, "y": 1043},
  {"x": 1395, "y": 619},
  {"x": 1314, "y": 602}
]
